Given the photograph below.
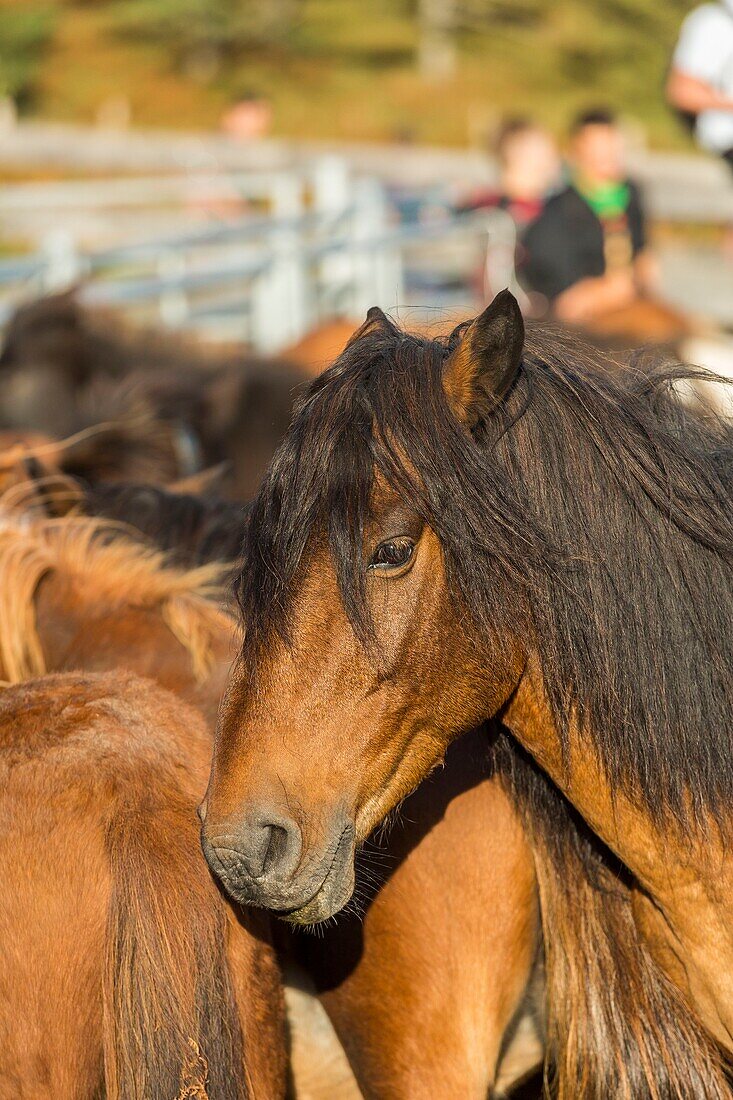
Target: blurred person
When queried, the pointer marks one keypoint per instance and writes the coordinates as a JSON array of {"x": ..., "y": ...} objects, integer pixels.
[
  {"x": 586, "y": 254},
  {"x": 700, "y": 82},
  {"x": 249, "y": 118},
  {"x": 529, "y": 170}
]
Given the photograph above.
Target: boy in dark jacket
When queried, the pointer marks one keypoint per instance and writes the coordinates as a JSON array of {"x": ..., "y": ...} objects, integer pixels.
[{"x": 586, "y": 254}]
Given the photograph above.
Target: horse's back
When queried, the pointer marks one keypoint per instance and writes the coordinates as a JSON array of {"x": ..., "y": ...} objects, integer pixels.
[
  {"x": 100, "y": 776},
  {"x": 56, "y": 885},
  {"x": 52, "y": 921}
]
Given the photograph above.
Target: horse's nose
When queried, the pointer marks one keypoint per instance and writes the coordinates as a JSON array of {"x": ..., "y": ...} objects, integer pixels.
[{"x": 264, "y": 849}]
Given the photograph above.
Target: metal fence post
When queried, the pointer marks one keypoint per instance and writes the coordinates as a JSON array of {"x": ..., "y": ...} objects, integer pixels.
[
  {"x": 377, "y": 267},
  {"x": 173, "y": 306},
  {"x": 331, "y": 185},
  {"x": 279, "y": 293},
  {"x": 286, "y": 195},
  {"x": 499, "y": 263},
  {"x": 279, "y": 298},
  {"x": 332, "y": 196},
  {"x": 63, "y": 263}
]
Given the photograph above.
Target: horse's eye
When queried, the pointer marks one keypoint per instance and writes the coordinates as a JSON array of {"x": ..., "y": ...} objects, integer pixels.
[{"x": 392, "y": 554}]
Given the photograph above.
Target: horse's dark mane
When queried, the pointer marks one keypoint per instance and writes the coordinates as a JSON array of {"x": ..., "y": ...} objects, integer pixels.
[
  {"x": 591, "y": 508},
  {"x": 618, "y": 998},
  {"x": 194, "y": 530}
]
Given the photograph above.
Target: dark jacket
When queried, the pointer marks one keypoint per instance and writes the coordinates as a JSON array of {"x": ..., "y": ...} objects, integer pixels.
[{"x": 568, "y": 242}]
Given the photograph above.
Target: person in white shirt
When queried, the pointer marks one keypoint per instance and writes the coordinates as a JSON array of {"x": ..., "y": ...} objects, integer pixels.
[{"x": 700, "y": 83}]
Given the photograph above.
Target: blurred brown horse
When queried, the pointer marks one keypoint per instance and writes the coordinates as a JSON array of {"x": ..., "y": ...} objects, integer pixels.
[
  {"x": 75, "y": 593},
  {"x": 124, "y": 972}
]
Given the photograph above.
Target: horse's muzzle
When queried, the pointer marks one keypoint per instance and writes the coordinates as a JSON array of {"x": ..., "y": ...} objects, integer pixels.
[{"x": 262, "y": 861}]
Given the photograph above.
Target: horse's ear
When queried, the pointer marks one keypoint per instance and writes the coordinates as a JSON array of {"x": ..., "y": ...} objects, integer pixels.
[
  {"x": 376, "y": 318},
  {"x": 484, "y": 365},
  {"x": 35, "y": 486},
  {"x": 203, "y": 481}
]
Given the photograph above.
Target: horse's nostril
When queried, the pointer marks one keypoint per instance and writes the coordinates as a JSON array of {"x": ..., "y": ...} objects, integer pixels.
[
  {"x": 265, "y": 846},
  {"x": 276, "y": 848},
  {"x": 263, "y": 859}
]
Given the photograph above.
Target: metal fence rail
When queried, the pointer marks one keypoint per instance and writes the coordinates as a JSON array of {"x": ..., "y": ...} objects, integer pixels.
[{"x": 326, "y": 247}]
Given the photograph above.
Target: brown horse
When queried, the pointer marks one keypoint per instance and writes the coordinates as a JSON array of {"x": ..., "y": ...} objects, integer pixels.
[
  {"x": 489, "y": 523},
  {"x": 374, "y": 973},
  {"x": 75, "y": 593},
  {"x": 124, "y": 972}
]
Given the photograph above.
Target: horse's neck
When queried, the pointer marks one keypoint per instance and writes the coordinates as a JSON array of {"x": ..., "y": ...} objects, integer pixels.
[
  {"x": 685, "y": 873},
  {"x": 622, "y": 825}
]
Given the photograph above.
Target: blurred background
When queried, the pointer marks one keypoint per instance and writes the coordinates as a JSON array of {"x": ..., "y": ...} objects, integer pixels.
[
  {"x": 437, "y": 71},
  {"x": 200, "y": 199},
  {"x": 247, "y": 170}
]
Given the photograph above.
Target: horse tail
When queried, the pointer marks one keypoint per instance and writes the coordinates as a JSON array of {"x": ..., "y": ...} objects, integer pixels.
[
  {"x": 171, "y": 1025},
  {"x": 616, "y": 1025}
]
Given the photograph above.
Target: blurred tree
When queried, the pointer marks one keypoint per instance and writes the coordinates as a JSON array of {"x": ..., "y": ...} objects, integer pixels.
[
  {"x": 352, "y": 68},
  {"x": 25, "y": 30},
  {"x": 437, "y": 54},
  {"x": 194, "y": 30}
]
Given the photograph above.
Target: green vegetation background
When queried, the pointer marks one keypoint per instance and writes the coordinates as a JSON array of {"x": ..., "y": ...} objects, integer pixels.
[{"x": 341, "y": 68}]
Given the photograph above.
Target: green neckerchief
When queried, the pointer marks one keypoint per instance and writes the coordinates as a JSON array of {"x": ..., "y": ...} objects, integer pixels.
[{"x": 606, "y": 200}]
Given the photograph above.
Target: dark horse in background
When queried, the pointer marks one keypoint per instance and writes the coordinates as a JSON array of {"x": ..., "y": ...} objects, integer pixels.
[
  {"x": 503, "y": 524},
  {"x": 65, "y": 368}
]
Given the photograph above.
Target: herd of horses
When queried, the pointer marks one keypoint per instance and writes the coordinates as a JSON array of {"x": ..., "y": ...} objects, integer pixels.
[{"x": 494, "y": 550}]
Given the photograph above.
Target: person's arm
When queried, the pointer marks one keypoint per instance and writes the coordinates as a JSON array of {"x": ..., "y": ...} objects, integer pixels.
[
  {"x": 590, "y": 297},
  {"x": 700, "y": 58},
  {"x": 692, "y": 95}
]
